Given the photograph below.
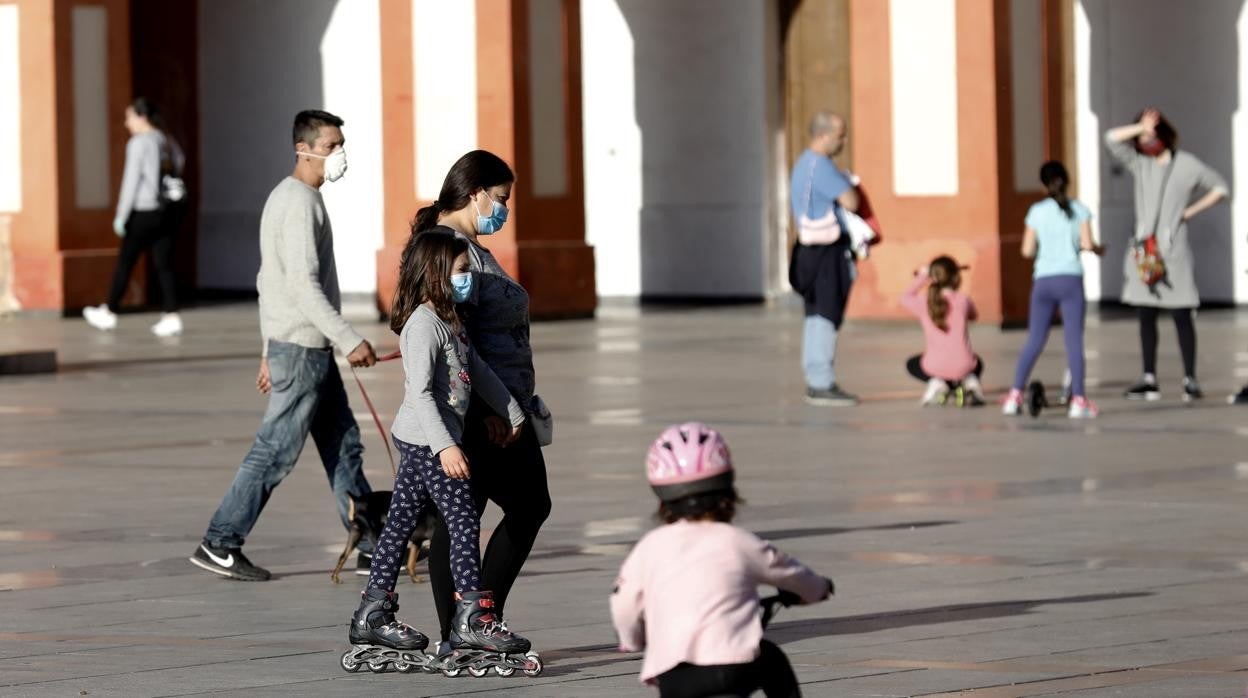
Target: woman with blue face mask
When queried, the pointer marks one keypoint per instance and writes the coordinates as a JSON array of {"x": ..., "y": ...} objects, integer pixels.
[{"x": 495, "y": 310}]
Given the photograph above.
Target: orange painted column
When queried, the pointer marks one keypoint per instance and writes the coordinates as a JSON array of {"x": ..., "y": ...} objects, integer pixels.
[
  {"x": 63, "y": 255},
  {"x": 966, "y": 225},
  {"x": 543, "y": 244}
]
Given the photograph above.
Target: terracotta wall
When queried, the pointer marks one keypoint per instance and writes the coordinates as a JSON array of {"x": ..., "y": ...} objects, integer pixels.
[{"x": 63, "y": 255}]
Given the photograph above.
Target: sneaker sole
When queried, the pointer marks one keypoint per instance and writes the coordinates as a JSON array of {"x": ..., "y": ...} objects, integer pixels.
[
  {"x": 222, "y": 572},
  {"x": 830, "y": 402},
  {"x": 1146, "y": 397}
]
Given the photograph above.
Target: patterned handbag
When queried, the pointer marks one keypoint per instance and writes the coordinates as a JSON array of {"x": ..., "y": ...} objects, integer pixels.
[{"x": 1147, "y": 252}]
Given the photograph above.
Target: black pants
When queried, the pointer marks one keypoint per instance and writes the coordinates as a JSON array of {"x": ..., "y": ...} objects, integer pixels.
[
  {"x": 914, "y": 366},
  {"x": 144, "y": 230},
  {"x": 1186, "y": 329},
  {"x": 771, "y": 673},
  {"x": 514, "y": 478}
]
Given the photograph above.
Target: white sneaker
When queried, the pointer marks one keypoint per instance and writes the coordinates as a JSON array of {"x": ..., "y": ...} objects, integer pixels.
[
  {"x": 973, "y": 386},
  {"x": 170, "y": 325},
  {"x": 1082, "y": 408},
  {"x": 1012, "y": 405},
  {"x": 936, "y": 392},
  {"x": 100, "y": 317}
]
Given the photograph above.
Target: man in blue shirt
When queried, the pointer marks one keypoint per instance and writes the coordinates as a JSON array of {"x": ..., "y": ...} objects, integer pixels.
[{"x": 823, "y": 272}]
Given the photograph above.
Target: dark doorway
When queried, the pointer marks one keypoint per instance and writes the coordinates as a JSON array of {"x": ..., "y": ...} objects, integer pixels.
[{"x": 164, "y": 59}]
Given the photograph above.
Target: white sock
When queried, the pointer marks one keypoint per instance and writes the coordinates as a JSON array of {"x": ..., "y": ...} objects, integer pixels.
[{"x": 1150, "y": 378}]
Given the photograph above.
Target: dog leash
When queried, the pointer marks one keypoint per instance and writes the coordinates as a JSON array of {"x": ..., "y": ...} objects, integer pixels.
[{"x": 394, "y": 470}]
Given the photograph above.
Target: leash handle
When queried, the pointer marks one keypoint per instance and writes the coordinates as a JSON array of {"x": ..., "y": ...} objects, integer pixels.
[{"x": 394, "y": 470}]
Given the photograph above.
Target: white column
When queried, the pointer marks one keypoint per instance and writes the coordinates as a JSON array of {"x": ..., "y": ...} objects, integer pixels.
[
  {"x": 444, "y": 55},
  {"x": 10, "y": 112},
  {"x": 351, "y": 78},
  {"x": 923, "y": 57},
  {"x": 612, "y": 149}
]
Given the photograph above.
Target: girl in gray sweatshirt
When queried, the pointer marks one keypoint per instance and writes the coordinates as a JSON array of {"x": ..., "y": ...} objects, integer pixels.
[{"x": 442, "y": 370}]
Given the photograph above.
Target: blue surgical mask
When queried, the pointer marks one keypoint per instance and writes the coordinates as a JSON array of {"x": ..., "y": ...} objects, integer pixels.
[
  {"x": 488, "y": 225},
  {"x": 461, "y": 286}
]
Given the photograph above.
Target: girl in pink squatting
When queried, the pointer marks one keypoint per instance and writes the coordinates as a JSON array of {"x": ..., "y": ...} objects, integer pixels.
[
  {"x": 688, "y": 592},
  {"x": 945, "y": 314}
]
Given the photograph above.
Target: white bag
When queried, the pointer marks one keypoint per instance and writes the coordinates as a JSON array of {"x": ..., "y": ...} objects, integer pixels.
[
  {"x": 860, "y": 234},
  {"x": 824, "y": 230},
  {"x": 543, "y": 421}
]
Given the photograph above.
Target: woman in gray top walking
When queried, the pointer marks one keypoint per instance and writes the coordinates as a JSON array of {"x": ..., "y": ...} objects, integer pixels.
[
  {"x": 148, "y": 216},
  {"x": 1167, "y": 184},
  {"x": 473, "y": 203}
]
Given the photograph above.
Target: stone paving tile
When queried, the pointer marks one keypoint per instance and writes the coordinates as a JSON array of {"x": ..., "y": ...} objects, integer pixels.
[{"x": 1020, "y": 557}]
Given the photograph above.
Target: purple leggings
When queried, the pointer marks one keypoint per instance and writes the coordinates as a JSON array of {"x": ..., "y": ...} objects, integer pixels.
[{"x": 1047, "y": 294}]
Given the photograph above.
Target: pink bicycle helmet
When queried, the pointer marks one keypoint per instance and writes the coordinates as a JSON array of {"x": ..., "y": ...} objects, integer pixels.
[{"x": 688, "y": 459}]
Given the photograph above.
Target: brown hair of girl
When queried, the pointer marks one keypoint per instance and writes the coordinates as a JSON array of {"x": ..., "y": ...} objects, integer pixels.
[
  {"x": 944, "y": 273},
  {"x": 425, "y": 275}
]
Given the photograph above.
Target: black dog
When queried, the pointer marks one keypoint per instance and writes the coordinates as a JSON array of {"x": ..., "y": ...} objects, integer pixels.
[{"x": 367, "y": 515}]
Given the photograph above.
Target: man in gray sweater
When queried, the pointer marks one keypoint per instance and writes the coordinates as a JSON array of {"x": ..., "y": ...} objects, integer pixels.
[{"x": 300, "y": 322}]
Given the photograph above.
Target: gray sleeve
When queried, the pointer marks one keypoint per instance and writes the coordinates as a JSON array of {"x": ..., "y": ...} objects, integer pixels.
[
  {"x": 1123, "y": 152},
  {"x": 138, "y": 155},
  {"x": 486, "y": 384},
  {"x": 297, "y": 248},
  {"x": 424, "y": 348},
  {"x": 1208, "y": 179}
]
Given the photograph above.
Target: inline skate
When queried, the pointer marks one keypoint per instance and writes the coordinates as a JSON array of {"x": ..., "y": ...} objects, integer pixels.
[
  {"x": 380, "y": 641},
  {"x": 480, "y": 641}
]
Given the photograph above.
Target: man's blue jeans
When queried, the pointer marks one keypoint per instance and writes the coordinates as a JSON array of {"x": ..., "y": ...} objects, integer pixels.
[
  {"x": 307, "y": 397},
  {"x": 819, "y": 352}
]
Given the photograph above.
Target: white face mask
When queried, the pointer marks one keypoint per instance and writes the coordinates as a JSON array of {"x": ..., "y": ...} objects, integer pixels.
[{"x": 335, "y": 163}]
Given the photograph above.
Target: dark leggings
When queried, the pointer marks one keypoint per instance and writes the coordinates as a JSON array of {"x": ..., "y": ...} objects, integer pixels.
[
  {"x": 419, "y": 482},
  {"x": 146, "y": 229},
  {"x": 914, "y": 366},
  {"x": 514, "y": 478},
  {"x": 771, "y": 673},
  {"x": 1186, "y": 329}
]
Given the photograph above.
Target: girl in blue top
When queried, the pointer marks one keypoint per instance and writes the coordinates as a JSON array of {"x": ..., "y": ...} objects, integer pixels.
[{"x": 1058, "y": 229}]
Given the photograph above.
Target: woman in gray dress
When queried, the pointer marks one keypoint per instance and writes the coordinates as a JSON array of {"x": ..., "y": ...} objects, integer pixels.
[{"x": 1171, "y": 187}]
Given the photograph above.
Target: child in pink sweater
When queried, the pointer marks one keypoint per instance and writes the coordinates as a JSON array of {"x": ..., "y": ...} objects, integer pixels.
[
  {"x": 945, "y": 315},
  {"x": 688, "y": 592}
]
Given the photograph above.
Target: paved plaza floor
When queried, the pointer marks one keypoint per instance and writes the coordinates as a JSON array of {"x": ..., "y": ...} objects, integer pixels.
[{"x": 974, "y": 554}]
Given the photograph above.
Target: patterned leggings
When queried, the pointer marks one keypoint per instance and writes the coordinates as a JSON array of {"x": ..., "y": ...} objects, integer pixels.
[{"x": 419, "y": 480}]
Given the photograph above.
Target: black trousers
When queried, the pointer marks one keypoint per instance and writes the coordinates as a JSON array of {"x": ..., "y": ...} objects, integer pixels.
[
  {"x": 1186, "y": 329},
  {"x": 771, "y": 673},
  {"x": 154, "y": 230},
  {"x": 914, "y": 366},
  {"x": 514, "y": 478}
]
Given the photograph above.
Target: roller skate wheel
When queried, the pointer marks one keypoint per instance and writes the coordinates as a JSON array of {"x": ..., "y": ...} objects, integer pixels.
[
  {"x": 504, "y": 671},
  {"x": 349, "y": 663},
  {"x": 404, "y": 667},
  {"x": 450, "y": 673},
  {"x": 532, "y": 665},
  {"x": 379, "y": 668},
  {"x": 478, "y": 671}
]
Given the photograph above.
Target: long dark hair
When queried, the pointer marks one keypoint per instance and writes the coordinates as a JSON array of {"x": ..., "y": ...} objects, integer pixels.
[
  {"x": 425, "y": 275},
  {"x": 1054, "y": 177},
  {"x": 945, "y": 273},
  {"x": 479, "y": 169}
]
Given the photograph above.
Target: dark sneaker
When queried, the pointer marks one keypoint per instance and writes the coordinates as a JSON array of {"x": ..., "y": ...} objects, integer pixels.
[
  {"x": 1191, "y": 390},
  {"x": 831, "y": 397},
  {"x": 364, "y": 564},
  {"x": 1240, "y": 398},
  {"x": 1143, "y": 391},
  {"x": 228, "y": 562}
]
